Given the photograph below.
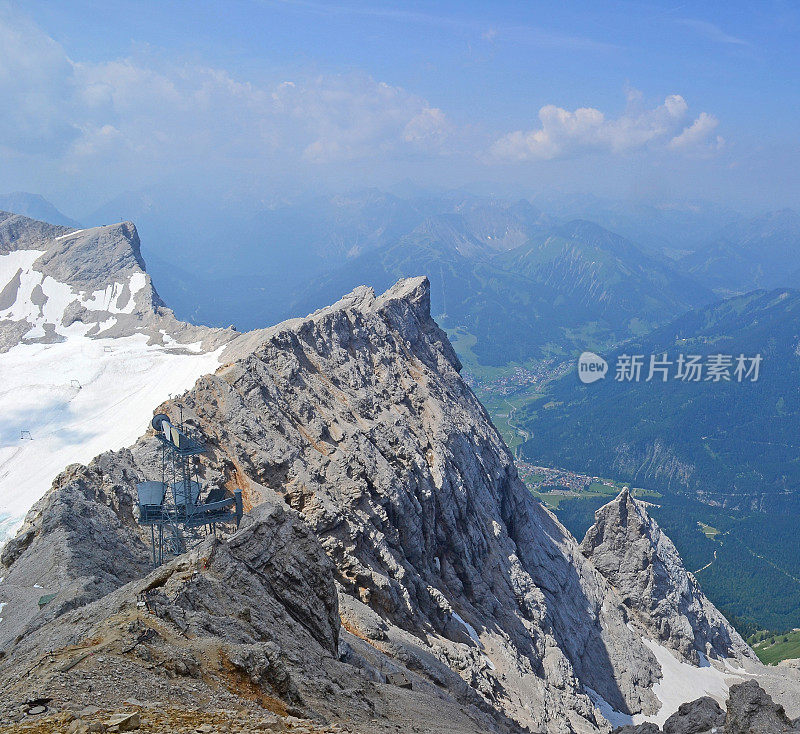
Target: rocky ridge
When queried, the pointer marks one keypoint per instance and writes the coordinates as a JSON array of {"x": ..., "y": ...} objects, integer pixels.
[
  {"x": 64, "y": 282},
  {"x": 354, "y": 426}
]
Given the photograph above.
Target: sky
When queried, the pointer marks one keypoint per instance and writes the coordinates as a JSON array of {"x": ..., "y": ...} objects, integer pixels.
[{"x": 264, "y": 99}]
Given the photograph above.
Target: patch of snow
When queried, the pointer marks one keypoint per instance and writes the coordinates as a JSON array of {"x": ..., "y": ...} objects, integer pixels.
[
  {"x": 474, "y": 637},
  {"x": 137, "y": 282},
  {"x": 108, "y": 298},
  {"x": 735, "y": 669},
  {"x": 196, "y": 347},
  {"x": 470, "y": 629},
  {"x": 681, "y": 682},
  {"x": 59, "y": 296},
  {"x": 11, "y": 262},
  {"x": 23, "y": 307},
  {"x": 119, "y": 389},
  {"x": 69, "y": 234},
  {"x": 2, "y": 604},
  {"x": 609, "y": 713}
]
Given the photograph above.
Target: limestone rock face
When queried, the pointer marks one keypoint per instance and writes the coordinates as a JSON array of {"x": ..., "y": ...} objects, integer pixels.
[
  {"x": 77, "y": 544},
  {"x": 88, "y": 259},
  {"x": 18, "y": 232},
  {"x": 695, "y": 717},
  {"x": 357, "y": 416},
  {"x": 751, "y": 709},
  {"x": 249, "y": 624},
  {"x": 389, "y": 538},
  {"x": 626, "y": 545}
]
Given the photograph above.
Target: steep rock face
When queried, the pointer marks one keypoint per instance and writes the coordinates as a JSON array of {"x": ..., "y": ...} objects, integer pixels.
[
  {"x": 626, "y": 545},
  {"x": 446, "y": 568},
  {"x": 87, "y": 259},
  {"x": 77, "y": 544},
  {"x": 751, "y": 709},
  {"x": 249, "y": 624},
  {"x": 358, "y": 417}
]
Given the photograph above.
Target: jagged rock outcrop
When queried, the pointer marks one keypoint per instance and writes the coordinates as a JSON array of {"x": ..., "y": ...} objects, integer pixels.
[
  {"x": 750, "y": 710},
  {"x": 246, "y": 624},
  {"x": 78, "y": 543},
  {"x": 359, "y": 418},
  {"x": 626, "y": 545},
  {"x": 696, "y": 717},
  {"x": 355, "y": 422}
]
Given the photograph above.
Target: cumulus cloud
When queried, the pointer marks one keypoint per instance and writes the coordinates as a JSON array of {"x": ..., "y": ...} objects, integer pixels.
[
  {"x": 143, "y": 111},
  {"x": 564, "y": 133},
  {"x": 127, "y": 122},
  {"x": 698, "y": 135}
]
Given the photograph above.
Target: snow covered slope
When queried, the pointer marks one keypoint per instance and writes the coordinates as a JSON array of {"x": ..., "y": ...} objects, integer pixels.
[{"x": 87, "y": 350}]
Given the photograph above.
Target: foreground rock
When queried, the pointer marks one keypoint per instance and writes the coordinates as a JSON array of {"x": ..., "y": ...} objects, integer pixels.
[
  {"x": 248, "y": 624},
  {"x": 750, "y": 710},
  {"x": 391, "y": 543}
]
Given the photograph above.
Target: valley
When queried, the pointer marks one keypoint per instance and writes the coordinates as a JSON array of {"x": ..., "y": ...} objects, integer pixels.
[{"x": 743, "y": 556}]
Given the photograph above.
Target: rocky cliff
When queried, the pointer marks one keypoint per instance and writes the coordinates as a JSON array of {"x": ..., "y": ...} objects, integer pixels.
[
  {"x": 626, "y": 545},
  {"x": 390, "y": 535}
]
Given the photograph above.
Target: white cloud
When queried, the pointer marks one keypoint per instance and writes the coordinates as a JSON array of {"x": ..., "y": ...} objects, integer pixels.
[
  {"x": 140, "y": 112},
  {"x": 698, "y": 135},
  {"x": 563, "y": 133},
  {"x": 129, "y": 122},
  {"x": 429, "y": 126},
  {"x": 711, "y": 32}
]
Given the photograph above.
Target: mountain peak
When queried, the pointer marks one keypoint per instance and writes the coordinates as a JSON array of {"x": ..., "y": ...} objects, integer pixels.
[
  {"x": 629, "y": 548},
  {"x": 87, "y": 259}
]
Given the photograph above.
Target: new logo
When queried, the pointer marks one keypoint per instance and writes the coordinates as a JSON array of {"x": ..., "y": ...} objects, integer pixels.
[{"x": 591, "y": 368}]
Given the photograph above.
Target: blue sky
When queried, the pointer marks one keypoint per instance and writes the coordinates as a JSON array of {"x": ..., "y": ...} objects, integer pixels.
[{"x": 639, "y": 100}]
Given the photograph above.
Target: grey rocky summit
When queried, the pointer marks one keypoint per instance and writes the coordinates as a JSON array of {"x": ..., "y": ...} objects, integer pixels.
[
  {"x": 390, "y": 539},
  {"x": 626, "y": 545},
  {"x": 88, "y": 281}
]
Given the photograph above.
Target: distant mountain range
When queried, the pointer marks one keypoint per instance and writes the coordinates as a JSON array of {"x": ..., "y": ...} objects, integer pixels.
[
  {"x": 673, "y": 229},
  {"x": 759, "y": 253},
  {"x": 34, "y": 206},
  {"x": 524, "y": 288}
]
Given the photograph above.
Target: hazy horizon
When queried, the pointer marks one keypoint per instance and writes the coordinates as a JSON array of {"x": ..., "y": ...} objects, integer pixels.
[{"x": 274, "y": 100}]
